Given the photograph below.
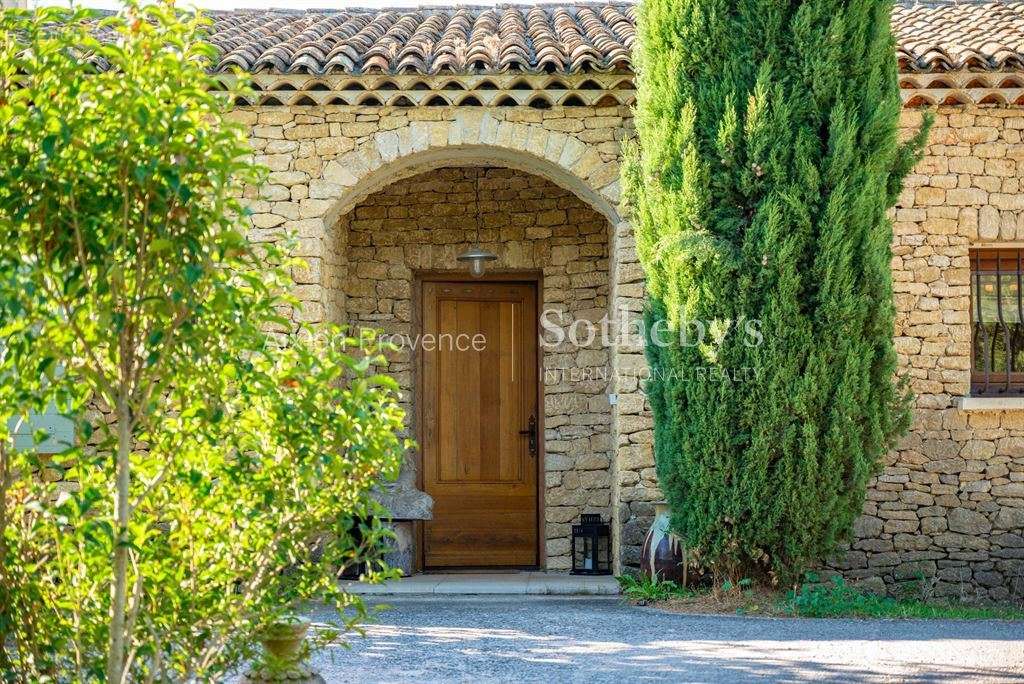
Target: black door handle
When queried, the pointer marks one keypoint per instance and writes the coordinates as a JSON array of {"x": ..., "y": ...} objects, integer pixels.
[{"x": 532, "y": 432}]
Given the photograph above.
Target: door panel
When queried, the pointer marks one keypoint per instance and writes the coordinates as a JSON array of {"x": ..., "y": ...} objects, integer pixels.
[{"x": 479, "y": 364}]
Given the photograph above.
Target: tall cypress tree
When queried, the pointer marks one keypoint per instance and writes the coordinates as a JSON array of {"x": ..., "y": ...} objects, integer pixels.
[{"x": 767, "y": 159}]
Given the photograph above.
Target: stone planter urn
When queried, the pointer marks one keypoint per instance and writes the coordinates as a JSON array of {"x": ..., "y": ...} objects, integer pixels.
[
  {"x": 285, "y": 652},
  {"x": 664, "y": 554}
]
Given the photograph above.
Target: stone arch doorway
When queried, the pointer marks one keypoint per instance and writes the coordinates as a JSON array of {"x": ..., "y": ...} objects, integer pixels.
[
  {"x": 406, "y": 233},
  {"x": 326, "y": 161}
]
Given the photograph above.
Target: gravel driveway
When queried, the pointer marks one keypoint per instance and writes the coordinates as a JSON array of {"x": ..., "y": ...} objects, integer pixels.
[{"x": 541, "y": 639}]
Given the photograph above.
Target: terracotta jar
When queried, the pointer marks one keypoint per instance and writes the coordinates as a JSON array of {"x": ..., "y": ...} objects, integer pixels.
[
  {"x": 285, "y": 642},
  {"x": 284, "y": 639},
  {"x": 664, "y": 554}
]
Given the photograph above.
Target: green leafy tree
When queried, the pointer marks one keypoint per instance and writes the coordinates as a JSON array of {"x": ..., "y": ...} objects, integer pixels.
[
  {"x": 225, "y": 459},
  {"x": 767, "y": 159}
]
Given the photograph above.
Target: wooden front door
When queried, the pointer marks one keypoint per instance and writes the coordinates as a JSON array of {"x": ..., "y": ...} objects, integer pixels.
[{"x": 479, "y": 404}]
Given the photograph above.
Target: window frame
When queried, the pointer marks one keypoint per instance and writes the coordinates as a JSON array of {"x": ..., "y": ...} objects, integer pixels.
[{"x": 990, "y": 383}]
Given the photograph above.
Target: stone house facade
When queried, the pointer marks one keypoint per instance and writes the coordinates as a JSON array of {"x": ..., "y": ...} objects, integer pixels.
[
  {"x": 396, "y": 139},
  {"x": 948, "y": 507}
]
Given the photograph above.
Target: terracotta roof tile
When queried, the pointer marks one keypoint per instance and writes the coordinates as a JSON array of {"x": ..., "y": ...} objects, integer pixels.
[
  {"x": 944, "y": 36},
  {"x": 531, "y": 39},
  {"x": 931, "y": 35}
]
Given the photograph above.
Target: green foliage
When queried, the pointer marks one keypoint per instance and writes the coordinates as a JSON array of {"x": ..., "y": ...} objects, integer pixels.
[
  {"x": 838, "y": 599},
  {"x": 227, "y": 456},
  {"x": 742, "y": 585},
  {"x": 767, "y": 159},
  {"x": 644, "y": 588},
  {"x": 813, "y": 599}
]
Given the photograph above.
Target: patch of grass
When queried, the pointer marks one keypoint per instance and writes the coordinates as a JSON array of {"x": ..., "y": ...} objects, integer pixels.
[
  {"x": 839, "y": 599},
  {"x": 644, "y": 589},
  {"x": 812, "y": 600}
]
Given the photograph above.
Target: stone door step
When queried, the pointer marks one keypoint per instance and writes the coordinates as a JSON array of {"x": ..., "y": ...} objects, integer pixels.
[{"x": 510, "y": 583}]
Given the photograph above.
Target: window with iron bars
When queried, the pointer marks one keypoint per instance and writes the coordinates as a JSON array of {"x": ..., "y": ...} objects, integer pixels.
[{"x": 997, "y": 322}]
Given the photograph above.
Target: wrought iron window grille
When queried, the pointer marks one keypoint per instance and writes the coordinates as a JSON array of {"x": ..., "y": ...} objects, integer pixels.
[{"x": 997, "y": 322}]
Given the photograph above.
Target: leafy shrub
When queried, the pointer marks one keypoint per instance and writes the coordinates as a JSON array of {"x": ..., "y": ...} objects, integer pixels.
[
  {"x": 767, "y": 159},
  {"x": 219, "y": 443}
]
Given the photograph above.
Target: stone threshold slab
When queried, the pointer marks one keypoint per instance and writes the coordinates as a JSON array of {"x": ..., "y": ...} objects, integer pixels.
[{"x": 512, "y": 583}]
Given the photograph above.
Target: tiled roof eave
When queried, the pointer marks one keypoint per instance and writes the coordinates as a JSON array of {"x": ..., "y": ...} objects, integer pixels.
[{"x": 513, "y": 88}]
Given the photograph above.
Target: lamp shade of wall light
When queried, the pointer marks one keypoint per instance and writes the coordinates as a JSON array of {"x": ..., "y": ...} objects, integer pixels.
[{"x": 477, "y": 259}]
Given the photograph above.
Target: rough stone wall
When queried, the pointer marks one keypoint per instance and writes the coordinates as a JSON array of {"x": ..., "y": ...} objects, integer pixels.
[
  {"x": 422, "y": 223},
  {"x": 636, "y": 481},
  {"x": 946, "y": 514},
  {"x": 949, "y": 506},
  {"x": 322, "y": 157}
]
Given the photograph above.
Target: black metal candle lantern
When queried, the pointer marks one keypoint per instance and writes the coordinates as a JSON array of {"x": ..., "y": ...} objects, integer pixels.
[{"x": 591, "y": 546}]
